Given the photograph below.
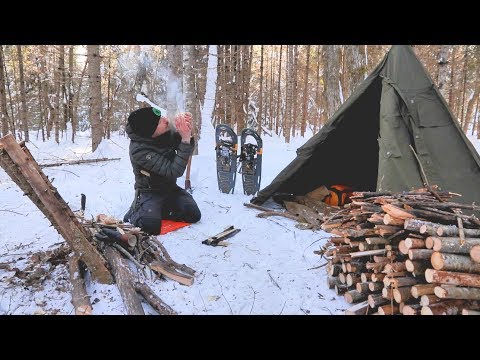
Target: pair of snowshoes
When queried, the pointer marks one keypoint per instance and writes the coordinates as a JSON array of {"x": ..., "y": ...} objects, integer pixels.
[{"x": 249, "y": 160}]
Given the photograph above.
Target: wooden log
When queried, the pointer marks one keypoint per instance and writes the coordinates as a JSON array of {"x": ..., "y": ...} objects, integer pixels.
[
  {"x": 376, "y": 240},
  {"x": 470, "y": 312},
  {"x": 375, "y": 300},
  {"x": 413, "y": 243},
  {"x": 341, "y": 289},
  {"x": 352, "y": 279},
  {"x": 402, "y": 281},
  {"x": 452, "y": 278},
  {"x": 362, "y": 287},
  {"x": 361, "y": 308},
  {"x": 387, "y": 280},
  {"x": 163, "y": 269},
  {"x": 429, "y": 241},
  {"x": 365, "y": 277},
  {"x": 376, "y": 219},
  {"x": 452, "y": 230},
  {"x": 342, "y": 277},
  {"x": 367, "y": 253},
  {"x": 417, "y": 267},
  {"x": 397, "y": 212},
  {"x": 387, "y": 293},
  {"x": 420, "y": 254},
  {"x": 377, "y": 277},
  {"x": 412, "y": 309},
  {"x": 475, "y": 253},
  {"x": 61, "y": 214},
  {"x": 80, "y": 299},
  {"x": 386, "y": 230},
  {"x": 391, "y": 220},
  {"x": 402, "y": 247},
  {"x": 429, "y": 299},
  {"x": 153, "y": 299},
  {"x": 367, "y": 247},
  {"x": 124, "y": 279},
  {"x": 429, "y": 229},
  {"x": 402, "y": 294},
  {"x": 338, "y": 240},
  {"x": 332, "y": 281},
  {"x": 344, "y": 267},
  {"x": 376, "y": 267},
  {"x": 382, "y": 259},
  {"x": 454, "y": 262},
  {"x": 453, "y": 245},
  {"x": 355, "y": 267},
  {"x": 375, "y": 286},
  {"x": 422, "y": 289},
  {"x": 335, "y": 269},
  {"x": 353, "y": 296},
  {"x": 388, "y": 309},
  {"x": 447, "y": 307},
  {"x": 394, "y": 267},
  {"x": 454, "y": 292}
]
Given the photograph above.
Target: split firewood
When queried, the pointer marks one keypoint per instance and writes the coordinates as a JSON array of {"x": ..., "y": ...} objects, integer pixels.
[
  {"x": 162, "y": 268},
  {"x": 454, "y": 262}
]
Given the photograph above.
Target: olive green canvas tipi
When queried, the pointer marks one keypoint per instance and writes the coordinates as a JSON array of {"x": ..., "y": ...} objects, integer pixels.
[{"x": 373, "y": 140}]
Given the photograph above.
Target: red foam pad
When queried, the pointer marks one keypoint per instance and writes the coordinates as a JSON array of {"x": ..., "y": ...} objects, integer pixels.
[{"x": 170, "y": 225}]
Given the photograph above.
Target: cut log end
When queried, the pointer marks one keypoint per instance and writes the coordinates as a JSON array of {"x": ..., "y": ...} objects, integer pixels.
[{"x": 475, "y": 253}]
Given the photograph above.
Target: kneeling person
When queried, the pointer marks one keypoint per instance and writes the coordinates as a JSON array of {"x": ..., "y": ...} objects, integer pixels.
[{"x": 159, "y": 156}]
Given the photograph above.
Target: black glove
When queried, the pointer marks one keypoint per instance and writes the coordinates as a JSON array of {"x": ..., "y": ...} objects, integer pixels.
[{"x": 108, "y": 235}]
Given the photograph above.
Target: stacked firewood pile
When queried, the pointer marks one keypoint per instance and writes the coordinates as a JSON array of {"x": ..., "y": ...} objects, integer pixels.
[{"x": 407, "y": 253}]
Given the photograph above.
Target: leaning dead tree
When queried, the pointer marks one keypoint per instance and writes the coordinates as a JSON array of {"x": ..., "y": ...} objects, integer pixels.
[{"x": 96, "y": 246}]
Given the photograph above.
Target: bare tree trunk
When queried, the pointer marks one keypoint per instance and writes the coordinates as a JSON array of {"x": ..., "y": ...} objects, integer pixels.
[
  {"x": 295, "y": 90},
  {"x": 288, "y": 98},
  {"x": 219, "y": 108},
  {"x": 63, "y": 90},
  {"x": 56, "y": 106},
  {"x": 41, "y": 109},
  {"x": 76, "y": 101},
  {"x": 191, "y": 100},
  {"x": 318, "y": 99},
  {"x": 355, "y": 63},
  {"x": 3, "y": 96},
  {"x": 271, "y": 89},
  {"x": 453, "y": 65},
  {"x": 70, "y": 86},
  {"x": 260, "y": 101},
  {"x": 331, "y": 79},
  {"x": 279, "y": 94},
  {"x": 463, "y": 121},
  {"x": 442, "y": 62},
  {"x": 23, "y": 111},
  {"x": 305, "y": 95},
  {"x": 95, "y": 91},
  {"x": 471, "y": 102}
]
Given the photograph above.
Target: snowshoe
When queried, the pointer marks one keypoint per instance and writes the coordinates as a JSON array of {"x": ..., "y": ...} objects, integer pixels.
[
  {"x": 251, "y": 161},
  {"x": 226, "y": 150}
]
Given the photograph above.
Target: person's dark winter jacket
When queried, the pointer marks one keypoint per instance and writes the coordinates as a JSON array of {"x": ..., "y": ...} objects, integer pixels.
[{"x": 154, "y": 162}]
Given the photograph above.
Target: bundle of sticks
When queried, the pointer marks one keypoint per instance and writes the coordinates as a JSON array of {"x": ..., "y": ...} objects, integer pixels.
[{"x": 410, "y": 253}]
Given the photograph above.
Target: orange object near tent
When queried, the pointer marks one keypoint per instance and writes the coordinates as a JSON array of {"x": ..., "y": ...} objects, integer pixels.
[
  {"x": 170, "y": 225},
  {"x": 339, "y": 195}
]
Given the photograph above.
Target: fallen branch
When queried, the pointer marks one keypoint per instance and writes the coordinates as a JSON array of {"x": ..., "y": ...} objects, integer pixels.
[{"x": 75, "y": 162}]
